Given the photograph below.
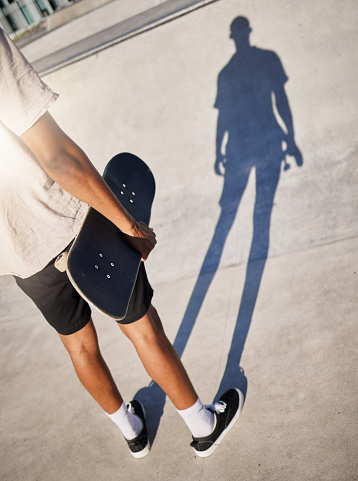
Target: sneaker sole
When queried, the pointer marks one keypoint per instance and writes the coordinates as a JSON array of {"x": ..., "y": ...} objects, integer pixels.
[
  {"x": 142, "y": 453},
  {"x": 209, "y": 452},
  {"x": 146, "y": 450}
]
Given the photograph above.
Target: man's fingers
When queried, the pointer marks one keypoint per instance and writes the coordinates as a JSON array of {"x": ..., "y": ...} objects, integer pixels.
[
  {"x": 142, "y": 238},
  {"x": 144, "y": 245},
  {"x": 145, "y": 230}
]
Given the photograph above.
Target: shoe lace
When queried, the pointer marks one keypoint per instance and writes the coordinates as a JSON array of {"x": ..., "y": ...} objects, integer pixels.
[
  {"x": 219, "y": 407},
  {"x": 130, "y": 408}
]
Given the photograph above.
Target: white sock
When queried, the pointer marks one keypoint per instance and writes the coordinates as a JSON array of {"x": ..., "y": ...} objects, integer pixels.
[
  {"x": 200, "y": 420},
  {"x": 129, "y": 423}
]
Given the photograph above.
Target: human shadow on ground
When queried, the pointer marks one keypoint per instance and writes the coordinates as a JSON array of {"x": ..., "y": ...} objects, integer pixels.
[{"x": 254, "y": 132}]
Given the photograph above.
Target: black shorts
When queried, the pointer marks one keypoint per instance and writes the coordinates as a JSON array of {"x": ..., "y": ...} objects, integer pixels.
[{"x": 65, "y": 310}]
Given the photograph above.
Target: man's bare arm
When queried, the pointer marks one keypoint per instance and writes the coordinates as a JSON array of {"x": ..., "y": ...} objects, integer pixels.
[{"x": 70, "y": 167}]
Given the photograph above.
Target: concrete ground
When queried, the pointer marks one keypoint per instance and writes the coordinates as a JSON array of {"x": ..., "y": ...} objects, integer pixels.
[{"x": 283, "y": 326}]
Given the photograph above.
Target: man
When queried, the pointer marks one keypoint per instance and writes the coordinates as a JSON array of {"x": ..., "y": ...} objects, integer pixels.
[{"x": 46, "y": 180}]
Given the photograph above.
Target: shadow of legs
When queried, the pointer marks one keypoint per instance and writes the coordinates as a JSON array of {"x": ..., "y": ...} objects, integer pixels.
[
  {"x": 266, "y": 184},
  {"x": 234, "y": 374}
]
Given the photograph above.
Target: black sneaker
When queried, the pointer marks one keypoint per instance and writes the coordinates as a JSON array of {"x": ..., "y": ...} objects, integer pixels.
[
  {"x": 226, "y": 412},
  {"x": 140, "y": 445}
]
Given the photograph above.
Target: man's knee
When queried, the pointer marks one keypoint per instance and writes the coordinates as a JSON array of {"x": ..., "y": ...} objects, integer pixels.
[
  {"x": 83, "y": 341},
  {"x": 148, "y": 329}
]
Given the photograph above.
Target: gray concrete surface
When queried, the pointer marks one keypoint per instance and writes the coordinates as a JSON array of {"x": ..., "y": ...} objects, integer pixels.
[{"x": 283, "y": 328}]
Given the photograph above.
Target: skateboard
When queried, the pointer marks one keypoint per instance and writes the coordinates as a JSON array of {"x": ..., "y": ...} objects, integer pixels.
[{"x": 101, "y": 265}]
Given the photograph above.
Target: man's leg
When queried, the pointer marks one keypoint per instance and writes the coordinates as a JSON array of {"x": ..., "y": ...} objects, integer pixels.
[
  {"x": 91, "y": 368},
  {"x": 160, "y": 359},
  {"x": 95, "y": 376},
  {"x": 164, "y": 366}
]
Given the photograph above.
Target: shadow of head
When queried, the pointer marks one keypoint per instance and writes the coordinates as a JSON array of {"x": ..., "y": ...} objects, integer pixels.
[{"x": 240, "y": 30}]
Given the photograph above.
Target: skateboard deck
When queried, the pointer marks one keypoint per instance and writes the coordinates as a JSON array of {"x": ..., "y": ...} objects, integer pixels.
[{"x": 101, "y": 265}]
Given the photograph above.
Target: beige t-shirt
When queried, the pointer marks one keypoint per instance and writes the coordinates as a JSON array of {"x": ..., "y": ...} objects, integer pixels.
[{"x": 38, "y": 218}]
